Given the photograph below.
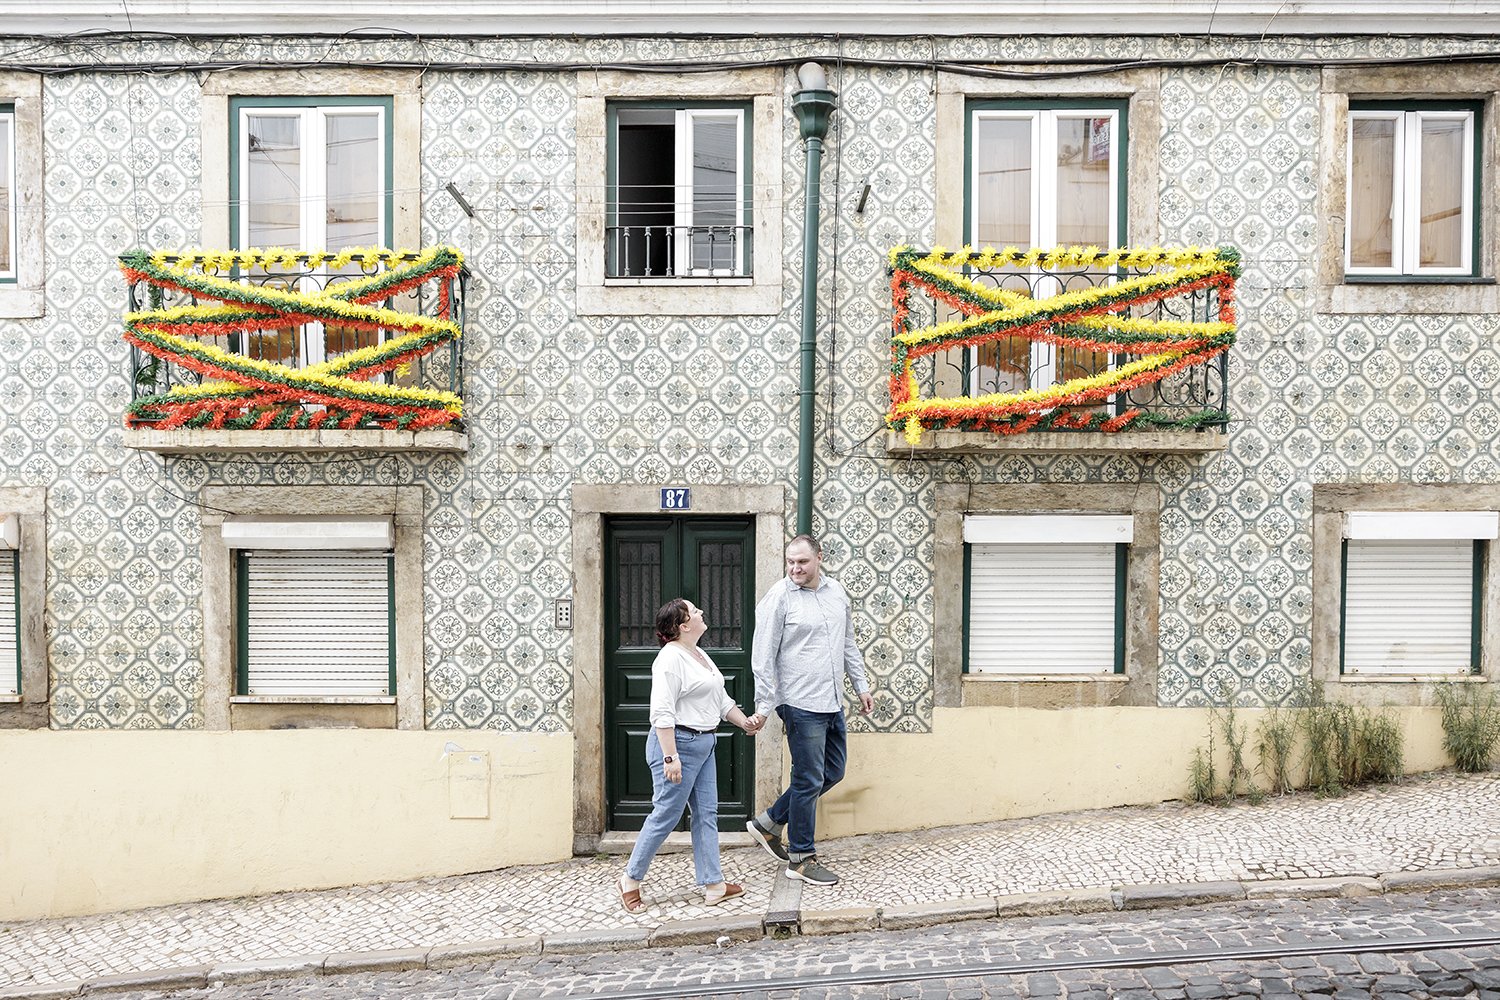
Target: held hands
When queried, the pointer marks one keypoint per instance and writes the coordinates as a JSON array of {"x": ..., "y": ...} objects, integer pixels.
[{"x": 753, "y": 724}]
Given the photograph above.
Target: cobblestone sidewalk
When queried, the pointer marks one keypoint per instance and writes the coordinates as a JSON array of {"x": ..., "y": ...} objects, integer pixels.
[{"x": 1427, "y": 823}]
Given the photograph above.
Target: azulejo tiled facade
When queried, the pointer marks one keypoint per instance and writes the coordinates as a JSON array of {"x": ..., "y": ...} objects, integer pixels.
[{"x": 556, "y": 399}]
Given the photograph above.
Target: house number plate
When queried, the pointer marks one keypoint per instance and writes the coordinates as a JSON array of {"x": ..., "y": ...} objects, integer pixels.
[{"x": 677, "y": 498}]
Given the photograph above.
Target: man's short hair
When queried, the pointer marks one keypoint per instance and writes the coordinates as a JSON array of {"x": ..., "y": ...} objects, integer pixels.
[{"x": 807, "y": 540}]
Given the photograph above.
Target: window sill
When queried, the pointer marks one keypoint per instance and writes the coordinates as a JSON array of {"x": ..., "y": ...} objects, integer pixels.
[
  {"x": 10, "y": 699},
  {"x": 190, "y": 441},
  {"x": 1417, "y": 279},
  {"x": 310, "y": 699},
  {"x": 1044, "y": 691},
  {"x": 1408, "y": 296},
  {"x": 738, "y": 280},
  {"x": 1048, "y": 678},
  {"x": 1413, "y": 679},
  {"x": 1058, "y": 442}
]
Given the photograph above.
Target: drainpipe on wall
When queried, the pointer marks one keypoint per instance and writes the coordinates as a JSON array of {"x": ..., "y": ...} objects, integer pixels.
[{"x": 813, "y": 105}]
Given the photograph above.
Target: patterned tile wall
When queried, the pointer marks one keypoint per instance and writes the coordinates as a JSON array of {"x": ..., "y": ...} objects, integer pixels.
[{"x": 556, "y": 399}]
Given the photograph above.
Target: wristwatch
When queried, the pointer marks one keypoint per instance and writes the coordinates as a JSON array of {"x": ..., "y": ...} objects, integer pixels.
[{"x": 669, "y": 759}]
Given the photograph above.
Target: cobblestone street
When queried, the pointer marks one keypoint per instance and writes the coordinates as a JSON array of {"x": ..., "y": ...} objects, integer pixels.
[
  {"x": 1434, "y": 823},
  {"x": 769, "y": 970}
]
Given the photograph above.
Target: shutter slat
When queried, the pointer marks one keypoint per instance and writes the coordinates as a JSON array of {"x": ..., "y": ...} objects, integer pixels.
[
  {"x": 1041, "y": 609},
  {"x": 1409, "y": 606},
  {"x": 319, "y": 623},
  {"x": 10, "y": 632}
]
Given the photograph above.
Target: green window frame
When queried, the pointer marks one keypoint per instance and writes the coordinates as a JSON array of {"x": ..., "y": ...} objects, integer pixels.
[
  {"x": 240, "y": 106},
  {"x": 9, "y": 235},
  {"x": 1121, "y": 576},
  {"x": 1043, "y": 364},
  {"x": 649, "y": 236},
  {"x": 1405, "y": 267},
  {"x": 242, "y": 560},
  {"x": 1476, "y": 607}
]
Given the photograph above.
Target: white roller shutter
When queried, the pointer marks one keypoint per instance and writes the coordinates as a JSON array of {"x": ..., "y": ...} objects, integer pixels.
[
  {"x": 317, "y": 622},
  {"x": 10, "y": 639},
  {"x": 1041, "y": 609},
  {"x": 1409, "y": 606}
]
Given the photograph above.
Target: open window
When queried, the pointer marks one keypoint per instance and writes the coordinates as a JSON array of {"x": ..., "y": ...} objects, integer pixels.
[{"x": 680, "y": 201}]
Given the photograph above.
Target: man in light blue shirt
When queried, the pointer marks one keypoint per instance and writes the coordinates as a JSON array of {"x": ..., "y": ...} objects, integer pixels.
[{"x": 804, "y": 647}]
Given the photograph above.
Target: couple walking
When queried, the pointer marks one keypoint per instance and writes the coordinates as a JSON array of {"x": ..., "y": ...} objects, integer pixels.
[{"x": 803, "y": 647}]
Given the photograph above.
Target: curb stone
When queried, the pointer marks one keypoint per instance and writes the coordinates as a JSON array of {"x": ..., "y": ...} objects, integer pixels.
[
  {"x": 1151, "y": 896},
  {"x": 601, "y": 939},
  {"x": 910, "y": 915},
  {"x": 709, "y": 930},
  {"x": 478, "y": 952},
  {"x": 1053, "y": 902},
  {"x": 53, "y": 991},
  {"x": 397, "y": 960},
  {"x": 1441, "y": 878},
  {"x": 773, "y": 924},
  {"x": 270, "y": 968},
  {"x": 189, "y": 977},
  {"x": 854, "y": 918},
  {"x": 1343, "y": 887}
]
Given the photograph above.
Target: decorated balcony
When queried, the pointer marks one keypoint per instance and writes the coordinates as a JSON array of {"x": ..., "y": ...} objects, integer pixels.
[
  {"x": 286, "y": 351},
  {"x": 1066, "y": 350}
]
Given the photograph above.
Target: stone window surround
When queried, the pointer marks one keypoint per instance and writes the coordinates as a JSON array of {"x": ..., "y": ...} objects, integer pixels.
[
  {"x": 405, "y": 505},
  {"x": 590, "y": 505},
  {"x": 23, "y": 298},
  {"x": 761, "y": 294},
  {"x": 28, "y": 710},
  {"x": 953, "y": 688},
  {"x": 1457, "y": 81},
  {"x": 404, "y": 87},
  {"x": 1330, "y": 502}
]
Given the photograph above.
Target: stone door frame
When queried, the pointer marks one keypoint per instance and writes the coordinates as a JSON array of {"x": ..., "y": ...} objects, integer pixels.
[{"x": 591, "y": 505}]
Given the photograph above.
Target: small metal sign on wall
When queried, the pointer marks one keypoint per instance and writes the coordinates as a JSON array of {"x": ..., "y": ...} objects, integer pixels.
[{"x": 677, "y": 498}]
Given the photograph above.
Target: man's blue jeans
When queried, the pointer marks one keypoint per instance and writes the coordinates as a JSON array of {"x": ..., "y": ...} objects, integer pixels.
[
  {"x": 818, "y": 744},
  {"x": 698, "y": 789}
]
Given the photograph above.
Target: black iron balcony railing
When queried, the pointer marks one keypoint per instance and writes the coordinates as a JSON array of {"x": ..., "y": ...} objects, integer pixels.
[
  {"x": 667, "y": 251},
  {"x": 440, "y": 295}
]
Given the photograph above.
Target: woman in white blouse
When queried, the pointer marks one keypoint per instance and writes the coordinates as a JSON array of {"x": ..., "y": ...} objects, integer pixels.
[{"x": 688, "y": 701}]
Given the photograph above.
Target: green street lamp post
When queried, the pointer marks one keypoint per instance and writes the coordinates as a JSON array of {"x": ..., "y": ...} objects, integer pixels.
[{"x": 813, "y": 105}]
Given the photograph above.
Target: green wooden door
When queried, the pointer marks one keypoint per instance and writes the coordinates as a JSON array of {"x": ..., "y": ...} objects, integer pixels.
[{"x": 648, "y": 561}]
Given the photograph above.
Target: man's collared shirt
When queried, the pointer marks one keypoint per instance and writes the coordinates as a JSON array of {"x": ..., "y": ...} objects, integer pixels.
[{"x": 804, "y": 644}]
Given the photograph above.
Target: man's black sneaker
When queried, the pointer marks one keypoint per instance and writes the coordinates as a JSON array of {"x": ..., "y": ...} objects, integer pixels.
[
  {"x": 770, "y": 841},
  {"x": 808, "y": 870}
]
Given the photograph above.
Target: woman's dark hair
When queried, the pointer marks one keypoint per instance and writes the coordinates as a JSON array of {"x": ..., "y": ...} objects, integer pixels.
[{"x": 670, "y": 619}]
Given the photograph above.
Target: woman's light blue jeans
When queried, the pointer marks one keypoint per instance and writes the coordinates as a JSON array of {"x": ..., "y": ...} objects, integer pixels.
[{"x": 699, "y": 790}]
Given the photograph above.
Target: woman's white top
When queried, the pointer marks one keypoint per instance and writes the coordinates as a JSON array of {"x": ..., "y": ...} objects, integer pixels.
[{"x": 686, "y": 693}]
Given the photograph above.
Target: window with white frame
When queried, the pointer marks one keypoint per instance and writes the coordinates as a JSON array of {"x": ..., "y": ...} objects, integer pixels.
[
  {"x": 1042, "y": 175},
  {"x": 679, "y": 194},
  {"x": 1412, "y": 187},
  {"x": 1411, "y": 591},
  {"x": 316, "y": 606},
  {"x": 310, "y": 174},
  {"x": 10, "y": 604},
  {"x": 7, "y": 192},
  {"x": 1045, "y": 593}
]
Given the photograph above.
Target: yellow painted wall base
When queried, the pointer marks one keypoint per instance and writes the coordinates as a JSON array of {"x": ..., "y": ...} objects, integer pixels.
[
  {"x": 979, "y": 765},
  {"x": 94, "y": 822}
]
